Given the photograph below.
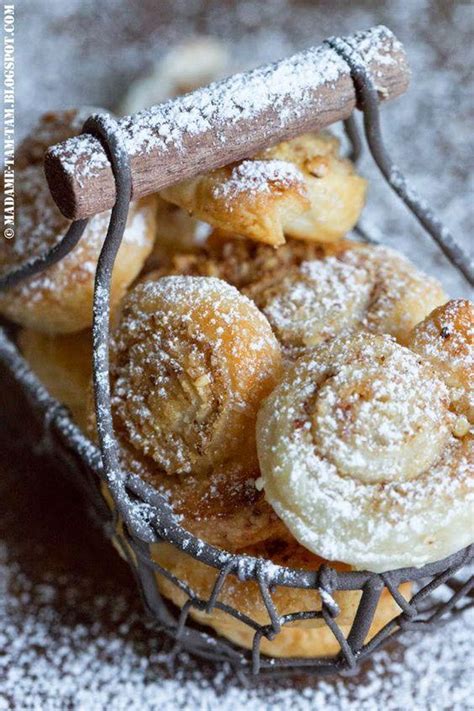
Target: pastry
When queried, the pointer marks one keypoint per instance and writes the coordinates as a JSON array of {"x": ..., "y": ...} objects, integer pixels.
[
  {"x": 191, "y": 360},
  {"x": 176, "y": 232},
  {"x": 446, "y": 339},
  {"x": 362, "y": 456},
  {"x": 359, "y": 287},
  {"x": 305, "y": 638},
  {"x": 63, "y": 363},
  {"x": 310, "y": 292},
  {"x": 301, "y": 188},
  {"x": 59, "y": 299},
  {"x": 222, "y": 507},
  {"x": 243, "y": 262}
]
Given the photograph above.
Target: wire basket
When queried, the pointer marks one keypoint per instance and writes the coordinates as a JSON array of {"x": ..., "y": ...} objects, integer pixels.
[{"x": 142, "y": 517}]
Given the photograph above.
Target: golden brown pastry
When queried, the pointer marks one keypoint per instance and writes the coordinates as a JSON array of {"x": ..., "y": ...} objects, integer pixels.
[
  {"x": 63, "y": 363},
  {"x": 361, "y": 287},
  {"x": 243, "y": 262},
  {"x": 310, "y": 293},
  {"x": 301, "y": 188},
  {"x": 446, "y": 339},
  {"x": 362, "y": 456},
  {"x": 59, "y": 300},
  {"x": 191, "y": 361},
  {"x": 309, "y": 638}
]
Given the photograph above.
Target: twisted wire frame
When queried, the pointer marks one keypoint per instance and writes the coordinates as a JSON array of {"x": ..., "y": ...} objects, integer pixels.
[{"x": 142, "y": 517}]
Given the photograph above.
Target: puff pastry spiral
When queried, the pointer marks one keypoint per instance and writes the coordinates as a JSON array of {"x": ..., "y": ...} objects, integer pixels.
[
  {"x": 191, "y": 361},
  {"x": 311, "y": 293},
  {"x": 362, "y": 458}
]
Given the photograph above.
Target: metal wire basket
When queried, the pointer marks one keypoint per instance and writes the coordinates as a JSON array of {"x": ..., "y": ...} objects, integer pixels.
[{"x": 142, "y": 517}]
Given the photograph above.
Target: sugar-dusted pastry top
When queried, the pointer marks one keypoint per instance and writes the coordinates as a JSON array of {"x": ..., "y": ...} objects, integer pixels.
[
  {"x": 446, "y": 339},
  {"x": 191, "y": 361},
  {"x": 301, "y": 188},
  {"x": 364, "y": 457},
  {"x": 59, "y": 300},
  {"x": 311, "y": 292}
]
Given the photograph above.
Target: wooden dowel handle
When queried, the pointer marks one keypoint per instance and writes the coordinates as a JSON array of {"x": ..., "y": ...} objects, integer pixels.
[{"x": 224, "y": 122}]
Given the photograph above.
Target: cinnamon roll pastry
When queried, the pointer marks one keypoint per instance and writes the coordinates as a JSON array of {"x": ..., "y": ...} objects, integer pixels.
[
  {"x": 301, "y": 188},
  {"x": 362, "y": 458},
  {"x": 310, "y": 293},
  {"x": 359, "y": 287},
  {"x": 59, "y": 300},
  {"x": 446, "y": 339},
  {"x": 63, "y": 363},
  {"x": 191, "y": 361},
  {"x": 304, "y": 638}
]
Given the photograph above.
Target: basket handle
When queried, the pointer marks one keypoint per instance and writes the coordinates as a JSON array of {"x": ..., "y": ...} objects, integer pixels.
[{"x": 224, "y": 122}]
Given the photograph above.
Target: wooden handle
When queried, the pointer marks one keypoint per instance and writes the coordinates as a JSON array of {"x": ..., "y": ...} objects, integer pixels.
[{"x": 224, "y": 122}]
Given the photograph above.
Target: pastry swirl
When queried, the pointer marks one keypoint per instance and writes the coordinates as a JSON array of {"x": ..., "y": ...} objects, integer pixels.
[
  {"x": 310, "y": 293},
  {"x": 359, "y": 456},
  {"x": 446, "y": 339},
  {"x": 301, "y": 188},
  {"x": 191, "y": 361},
  {"x": 59, "y": 299}
]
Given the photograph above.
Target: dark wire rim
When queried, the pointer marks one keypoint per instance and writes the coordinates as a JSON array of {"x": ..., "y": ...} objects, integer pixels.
[{"x": 148, "y": 517}]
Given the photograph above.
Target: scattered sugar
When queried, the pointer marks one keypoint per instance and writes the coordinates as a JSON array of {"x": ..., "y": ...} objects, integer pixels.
[{"x": 66, "y": 646}]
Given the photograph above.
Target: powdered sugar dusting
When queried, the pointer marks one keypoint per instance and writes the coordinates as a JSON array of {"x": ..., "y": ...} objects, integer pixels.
[
  {"x": 259, "y": 176},
  {"x": 286, "y": 87},
  {"x": 177, "y": 391},
  {"x": 82, "y": 662},
  {"x": 358, "y": 457}
]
